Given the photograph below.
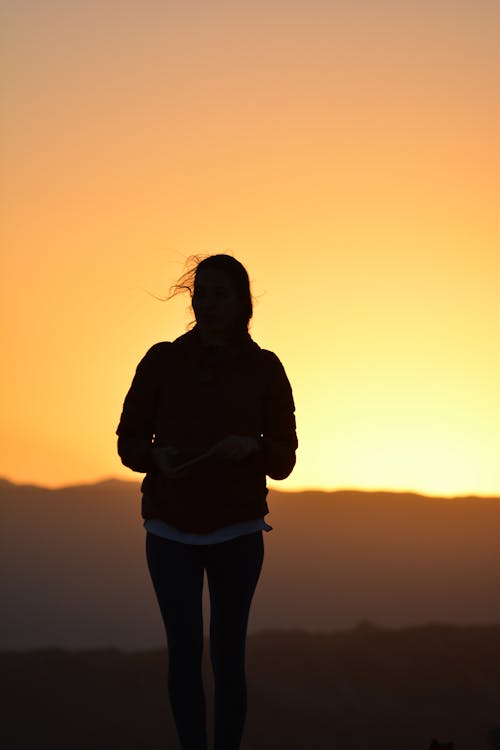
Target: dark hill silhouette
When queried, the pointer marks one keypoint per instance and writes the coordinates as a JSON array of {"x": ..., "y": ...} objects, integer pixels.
[
  {"x": 352, "y": 690},
  {"x": 73, "y": 569}
]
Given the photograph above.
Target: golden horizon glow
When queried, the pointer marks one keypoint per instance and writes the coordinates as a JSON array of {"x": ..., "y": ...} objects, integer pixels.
[{"x": 345, "y": 152}]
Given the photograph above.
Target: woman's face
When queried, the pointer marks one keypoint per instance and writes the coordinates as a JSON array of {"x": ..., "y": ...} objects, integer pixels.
[{"x": 216, "y": 307}]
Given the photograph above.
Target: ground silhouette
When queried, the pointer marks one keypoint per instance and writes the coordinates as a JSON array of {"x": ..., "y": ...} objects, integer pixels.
[{"x": 366, "y": 687}]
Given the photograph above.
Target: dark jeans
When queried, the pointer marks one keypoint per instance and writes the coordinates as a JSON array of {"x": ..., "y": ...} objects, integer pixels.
[{"x": 177, "y": 572}]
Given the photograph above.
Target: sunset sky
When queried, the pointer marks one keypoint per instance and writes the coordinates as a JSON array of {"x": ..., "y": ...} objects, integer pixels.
[{"x": 346, "y": 151}]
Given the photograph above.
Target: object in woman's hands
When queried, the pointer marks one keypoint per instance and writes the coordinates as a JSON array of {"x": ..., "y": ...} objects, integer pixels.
[
  {"x": 166, "y": 458},
  {"x": 231, "y": 448},
  {"x": 235, "y": 447}
]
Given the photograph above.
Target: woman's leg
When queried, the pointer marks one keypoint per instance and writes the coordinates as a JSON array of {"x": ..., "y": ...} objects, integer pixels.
[
  {"x": 177, "y": 574},
  {"x": 233, "y": 569}
]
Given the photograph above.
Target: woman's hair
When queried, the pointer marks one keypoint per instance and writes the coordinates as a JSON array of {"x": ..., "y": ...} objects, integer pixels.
[{"x": 232, "y": 268}]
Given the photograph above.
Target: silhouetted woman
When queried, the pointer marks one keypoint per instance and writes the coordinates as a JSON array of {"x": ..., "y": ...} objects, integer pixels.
[{"x": 207, "y": 417}]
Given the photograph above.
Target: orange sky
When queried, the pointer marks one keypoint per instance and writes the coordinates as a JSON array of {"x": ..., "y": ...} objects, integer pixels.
[{"x": 346, "y": 152}]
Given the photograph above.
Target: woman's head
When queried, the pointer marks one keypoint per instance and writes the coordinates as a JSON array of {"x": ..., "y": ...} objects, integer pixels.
[{"x": 220, "y": 294}]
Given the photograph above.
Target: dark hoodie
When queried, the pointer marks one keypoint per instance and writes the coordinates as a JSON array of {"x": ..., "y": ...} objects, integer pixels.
[{"x": 188, "y": 396}]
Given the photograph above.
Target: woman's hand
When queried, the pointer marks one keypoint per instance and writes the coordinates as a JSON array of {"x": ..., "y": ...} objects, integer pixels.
[
  {"x": 164, "y": 458},
  {"x": 235, "y": 447}
]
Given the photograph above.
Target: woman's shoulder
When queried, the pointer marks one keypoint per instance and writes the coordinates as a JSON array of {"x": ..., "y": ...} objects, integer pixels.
[
  {"x": 276, "y": 378},
  {"x": 156, "y": 354},
  {"x": 158, "y": 350},
  {"x": 271, "y": 364},
  {"x": 165, "y": 350},
  {"x": 269, "y": 358}
]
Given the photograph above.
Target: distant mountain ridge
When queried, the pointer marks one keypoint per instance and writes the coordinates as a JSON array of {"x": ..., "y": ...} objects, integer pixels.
[{"x": 74, "y": 574}]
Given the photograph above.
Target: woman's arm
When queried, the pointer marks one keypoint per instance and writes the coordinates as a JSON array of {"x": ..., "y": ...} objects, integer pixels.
[
  {"x": 279, "y": 437},
  {"x": 137, "y": 423}
]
